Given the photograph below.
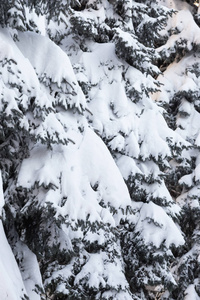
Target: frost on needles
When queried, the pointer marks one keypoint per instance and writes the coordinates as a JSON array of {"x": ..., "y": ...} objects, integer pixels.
[{"x": 99, "y": 135}]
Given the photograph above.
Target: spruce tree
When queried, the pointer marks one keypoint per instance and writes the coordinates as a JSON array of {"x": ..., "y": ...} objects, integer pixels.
[
  {"x": 91, "y": 164},
  {"x": 61, "y": 208},
  {"x": 180, "y": 97},
  {"x": 118, "y": 91}
]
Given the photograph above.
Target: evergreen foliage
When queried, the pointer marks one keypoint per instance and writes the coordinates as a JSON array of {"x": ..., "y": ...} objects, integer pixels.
[
  {"x": 99, "y": 146},
  {"x": 182, "y": 115},
  {"x": 126, "y": 92}
]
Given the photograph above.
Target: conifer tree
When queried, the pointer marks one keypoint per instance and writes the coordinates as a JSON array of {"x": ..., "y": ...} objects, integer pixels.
[
  {"x": 120, "y": 89},
  {"x": 91, "y": 165},
  {"x": 49, "y": 221},
  {"x": 181, "y": 101}
]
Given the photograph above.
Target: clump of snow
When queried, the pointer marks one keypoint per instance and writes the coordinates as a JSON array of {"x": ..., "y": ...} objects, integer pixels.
[
  {"x": 11, "y": 284},
  {"x": 30, "y": 270},
  {"x": 95, "y": 271},
  {"x": 188, "y": 30},
  {"x": 78, "y": 167},
  {"x": 156, "y": 227},
  {"x": 191, "y": 293},
  {"x": 44, "y": 65}
]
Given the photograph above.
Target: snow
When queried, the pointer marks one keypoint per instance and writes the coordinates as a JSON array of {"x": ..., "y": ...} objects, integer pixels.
[
  {"x": 186, "y": 180},
  {"x": 128, "y": 166},
  {"x": 78, "y": 167},
  {"x": 96, "y": 274},
  {"x": 70, "y": 167},
  {"x": 97, "y": 16},
  {"x": 30, "y": 271},
  {"x": 154, "y": 226},
  {"x": 148, "y": 138},
  {"x": 181, "y": 87},
  {"x": 175, "y": 4},
  {"x": 197, "y": 173},
  {"x": 11, "y": 284},
  {"x": 10, "y": 51},
  {"x": 44, "y": 64},
  {"x": 184, "y": 22},
  {"x": 39, "y": 20},
  {"x": 178, "y": 78},
  {"x": 191, "y": 293}
]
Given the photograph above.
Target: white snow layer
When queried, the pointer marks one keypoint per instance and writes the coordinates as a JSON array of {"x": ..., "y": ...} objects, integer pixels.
[
  {"x": 79, "y": 167},
  {"x": 155, "y": 226},
  {"x": 11, "y": 284},
  {"x": 30, "y": 271}
]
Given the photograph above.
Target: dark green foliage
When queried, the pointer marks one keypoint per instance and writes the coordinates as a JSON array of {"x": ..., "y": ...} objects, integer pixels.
[
  {"x": 134, "y": 53},
  {"x": 146, "y": 267},
  {"x": 148, "y": 21},
  {"x": 4, "y": 7}
]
